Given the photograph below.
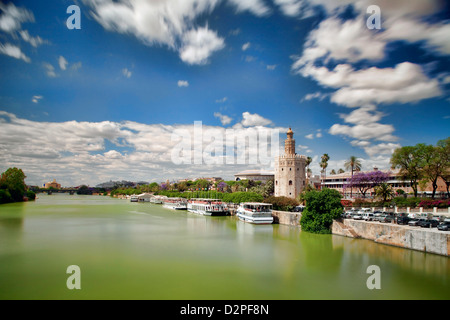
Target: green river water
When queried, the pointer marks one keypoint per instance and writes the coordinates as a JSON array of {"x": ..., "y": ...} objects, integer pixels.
[{"x": 143, "y": 251}]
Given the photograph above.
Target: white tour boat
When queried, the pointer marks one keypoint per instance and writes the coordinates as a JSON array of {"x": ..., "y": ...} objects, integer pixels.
[
  {"x": 134, "y": 198},
  {"x": 157, "y": 199},
  {"x": 255, "y": 212},
  {"x": 207, "y": 207},
  {"x": 175, "y": 203}
]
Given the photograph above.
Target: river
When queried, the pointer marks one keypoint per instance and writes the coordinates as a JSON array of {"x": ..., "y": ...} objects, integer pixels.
[{"x": 130, "y": 250}]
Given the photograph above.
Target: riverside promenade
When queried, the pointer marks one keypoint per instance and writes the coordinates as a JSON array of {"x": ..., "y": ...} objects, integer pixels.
[{"x": 415, "y": 238}]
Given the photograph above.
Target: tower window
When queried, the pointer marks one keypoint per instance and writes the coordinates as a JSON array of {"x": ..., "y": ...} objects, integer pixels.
[{"x": 290, "y": 182}]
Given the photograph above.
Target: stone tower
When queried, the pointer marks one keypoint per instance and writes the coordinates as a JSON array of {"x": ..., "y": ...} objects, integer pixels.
[{"x": 290, "y": 174}]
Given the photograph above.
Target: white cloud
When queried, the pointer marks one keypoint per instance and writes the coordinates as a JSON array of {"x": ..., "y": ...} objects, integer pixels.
[
  {"x": 12, "y": 17},
  {"x": 49, "y": 70},
  {"x": 169, "y": 23},
  {"x": 366, "y": 114},
  {"x": 183, "y": 83},
  {"x": 381, "y": 149},
  {"x": 271, "y": 66},
  {"x": 36, "y": 99},
  {"x": 224, "y": 119},
  {"x": 34, "y": 41},
  {"x": 224, "y": 99},
  {"x": 79, "y": 152},
  {"x": 316, "y": 95},
  {"x": 257, "y": 7},
  {"x": 199, "y": 44},
  {"x": 245, "y": 46},
  {"x": 126, "y": 73},
  {"x": 62, "y": 63},
  {"x": 290, "y": 8},
  {"x": 252, "y": 120},
  {"x": 13, "y": 51},
  {"x": 367, "y": 131},
  {"x": 405, "y": 83}
]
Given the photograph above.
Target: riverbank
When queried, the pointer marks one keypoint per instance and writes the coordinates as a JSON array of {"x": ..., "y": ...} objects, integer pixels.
[{"x": 415, "y": 238}]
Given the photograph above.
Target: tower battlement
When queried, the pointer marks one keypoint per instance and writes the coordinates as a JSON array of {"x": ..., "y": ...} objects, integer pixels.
[{"x": 290, "y": 170}]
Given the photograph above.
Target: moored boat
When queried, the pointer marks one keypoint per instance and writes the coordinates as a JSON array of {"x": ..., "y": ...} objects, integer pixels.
[
  {"x": 175, "y": 203},
  {"x": 134, "y": 198},
  {"x": 157, "y": 199},
  {"x": 255, "y": 212},
  {"x": 207, "y": 207}
]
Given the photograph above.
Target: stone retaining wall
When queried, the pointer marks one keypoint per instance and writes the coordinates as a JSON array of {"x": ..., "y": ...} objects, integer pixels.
[
  {"x": 416, "y": 238},
  {"x": 285, "y": 217}
]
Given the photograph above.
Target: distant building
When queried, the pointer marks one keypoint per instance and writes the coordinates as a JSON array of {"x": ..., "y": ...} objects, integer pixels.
[
  {"x": 339, "y": 181},
  {"x": 52, "y": 184},
  {"x": 290, "y": 170},
  {"x": 255, "y": 175}
]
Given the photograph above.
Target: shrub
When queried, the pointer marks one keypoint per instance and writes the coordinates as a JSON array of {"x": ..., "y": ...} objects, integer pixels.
[
  {"x": 5, "y": 196},
  {"x": 238, "y": 197},
  {"x": 322, "y": 207},
  {"x": 31, "y": 195},
  {"x": 282, "y": 203},
  {"x": 347, "y": 203},
  {"x": 428, "y": 203}
]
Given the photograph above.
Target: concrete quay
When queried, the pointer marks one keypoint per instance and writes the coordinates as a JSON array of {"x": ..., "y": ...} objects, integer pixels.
[{"x": 415, "y": 238}]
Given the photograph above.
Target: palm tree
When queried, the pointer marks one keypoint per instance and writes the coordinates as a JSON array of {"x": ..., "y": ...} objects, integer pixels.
[
  {"x": 324, "y": 164},
  {"x": 352, "y": 164},
  {"x": 384, "y": 191}
]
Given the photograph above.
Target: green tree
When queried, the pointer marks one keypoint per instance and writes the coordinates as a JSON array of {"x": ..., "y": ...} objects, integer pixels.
[
  {"x": 324, "y": 164},
  {"x": 84, "y": 190},
  {"x": 322, "y": 207},
  {"x": 353, "y": 164},
  {"x": 238, "y": 197},
  {"x": 13, "y": 180},
  {"x": 411, "y": 161},
  {"x": 282, "y": 203},
  {"x": 385, "y": 191},
  {"x": 445, "y": 153}
]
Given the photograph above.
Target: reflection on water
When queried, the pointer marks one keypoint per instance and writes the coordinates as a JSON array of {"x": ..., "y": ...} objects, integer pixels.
[{"x": 143, "y": 251}]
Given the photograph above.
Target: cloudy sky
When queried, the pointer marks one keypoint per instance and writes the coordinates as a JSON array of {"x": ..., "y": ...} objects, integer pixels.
[{"x": 103, "y": 102}]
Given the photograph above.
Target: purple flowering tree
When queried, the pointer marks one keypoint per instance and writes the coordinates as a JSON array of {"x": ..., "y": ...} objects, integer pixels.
[
  {"x": 366, "y": 181},
  {"x": 164, "y": 186},
  {"x": 221, "y": 186}
]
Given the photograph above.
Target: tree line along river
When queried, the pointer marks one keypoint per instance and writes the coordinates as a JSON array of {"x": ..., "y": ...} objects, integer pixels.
[{"x": 130, "y": 250}]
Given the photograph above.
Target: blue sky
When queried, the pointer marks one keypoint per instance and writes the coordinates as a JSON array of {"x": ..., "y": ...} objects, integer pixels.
[{"x": 101, "y": 103}]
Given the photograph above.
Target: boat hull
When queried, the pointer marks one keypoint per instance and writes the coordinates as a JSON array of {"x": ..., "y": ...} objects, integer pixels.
[
  {"x": 174, "y": 207},
  {"x": 208, "y": 213},
  {"x": 254, "y": 220}
]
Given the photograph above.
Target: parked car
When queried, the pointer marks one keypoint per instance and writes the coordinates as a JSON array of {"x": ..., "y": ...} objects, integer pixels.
[
  {"x": 357, "y": 216},
  {"x": 377, "y": 214},
  {"x": 298, "y": 209},
  {"x": 368, "y": 216},
  {"x": 428, "y": 223},
  {"x": 444, "y": 226},
  {"x": 403, "y": 220},
  {"x": 386, "y": 218},
  {"x": 415, "y": 222}
]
